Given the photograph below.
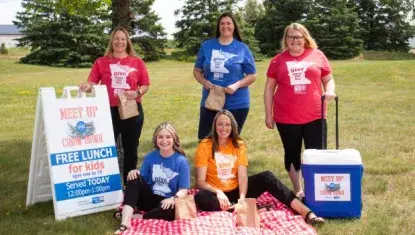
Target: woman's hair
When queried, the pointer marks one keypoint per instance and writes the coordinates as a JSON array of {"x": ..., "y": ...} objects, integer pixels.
[
  {"x": 309, "y": 41},
  {"x": 234, "y": 136},
  {"x": 176, "y": 141},
  {"x": 236, "y": 32},
  {"x": 130, "y": 49}
]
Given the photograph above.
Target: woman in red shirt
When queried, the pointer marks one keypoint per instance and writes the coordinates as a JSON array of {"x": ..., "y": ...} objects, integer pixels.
[
  {"x": 297, "y": 78},
  {"x": 121, "y": 71}
]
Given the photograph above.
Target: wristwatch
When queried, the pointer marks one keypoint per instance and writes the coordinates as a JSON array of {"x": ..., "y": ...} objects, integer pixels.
[
  {"x": 138, "y": 93},
  {"x": 175, "y": 196}
]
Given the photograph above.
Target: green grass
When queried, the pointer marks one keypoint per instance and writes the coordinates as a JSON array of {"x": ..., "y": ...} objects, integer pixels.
[{"x": 377, "y": 117}]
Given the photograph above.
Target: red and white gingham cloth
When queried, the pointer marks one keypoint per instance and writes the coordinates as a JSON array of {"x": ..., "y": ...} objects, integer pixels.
[{"x": 279, "y": 220}]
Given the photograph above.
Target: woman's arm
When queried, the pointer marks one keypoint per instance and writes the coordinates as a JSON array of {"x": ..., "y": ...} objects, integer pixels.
[
  {"x": 201, "y": 183},
  {"x": 329, "y": 86},
  {"x": 201, "y": 180},
  {"x": 242, "y": 181},
  {"x": 197, "y": 73},
  {"x": 182, "y": 192},
  {"x": 269, "y": 91},
  {"x": 246, "y": 81}
]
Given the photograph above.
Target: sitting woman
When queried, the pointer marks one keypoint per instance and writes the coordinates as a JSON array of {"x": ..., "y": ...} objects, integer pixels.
[
  {"x": 163, "y": 177},
  {"x": 222, "y": 175}
]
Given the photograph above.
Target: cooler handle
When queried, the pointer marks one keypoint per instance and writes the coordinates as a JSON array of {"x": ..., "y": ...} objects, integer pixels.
[{"x": 323, "y": 142}]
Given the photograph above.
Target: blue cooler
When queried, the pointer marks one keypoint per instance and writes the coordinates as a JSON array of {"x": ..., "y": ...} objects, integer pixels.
[{"x": 333, "y": 182}]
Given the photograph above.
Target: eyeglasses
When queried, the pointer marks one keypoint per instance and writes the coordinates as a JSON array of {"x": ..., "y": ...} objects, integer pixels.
[{"x": 295, "y": 37}]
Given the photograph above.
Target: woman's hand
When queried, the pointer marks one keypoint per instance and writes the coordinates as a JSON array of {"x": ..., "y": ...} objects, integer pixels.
[
  {"x": 269, "y": 121},
  {"x": 167, "y": 203},
  {"x": 207, "y": 85},
  {"x": 232, "y": 88},
  {"x": 329, "y": 95},
  {"x": 131, "y": 95},
  {"x": 86, "y": 87},
  {"x": 133, "y": 174},
  {"x": 223, "y": 201}
]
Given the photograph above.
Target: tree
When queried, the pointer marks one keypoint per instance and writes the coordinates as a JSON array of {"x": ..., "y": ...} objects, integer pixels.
[
  {"x": 252, "y": 12},
  {"x": 198, "y": 22},
  {"x": 148, "y": 35},
  {"x": 248, "y": 33},
  {"x": 269, "y": 29},
  {"x": 385, "y": 23},
  {"x": 335, "y": 27},
  {"x": 121, "y": 15},
  {"x": 3, "y": 49},
  {"x": 61, "y": 32}
]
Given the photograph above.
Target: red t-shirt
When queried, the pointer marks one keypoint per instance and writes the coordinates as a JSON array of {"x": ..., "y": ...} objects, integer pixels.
[
  {"x": 298, "y": 96},
  {"x": 119, "y": 75}
]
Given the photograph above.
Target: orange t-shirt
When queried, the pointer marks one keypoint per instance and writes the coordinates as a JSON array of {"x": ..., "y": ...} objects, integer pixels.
[{"x": 222, "y": 171}]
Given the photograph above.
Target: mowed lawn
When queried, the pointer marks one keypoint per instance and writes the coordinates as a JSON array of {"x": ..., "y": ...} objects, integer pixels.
[{"x": 377, "y": 117}]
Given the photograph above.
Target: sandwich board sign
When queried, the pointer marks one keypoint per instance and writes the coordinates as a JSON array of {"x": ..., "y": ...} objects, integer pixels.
[{"x": 74, "y": 157}]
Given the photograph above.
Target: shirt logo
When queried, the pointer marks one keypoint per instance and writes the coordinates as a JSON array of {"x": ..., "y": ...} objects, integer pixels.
[
  {"x": 217, "y": 62},
  {"x": 161, "y": 177},
  {"x": 119, "y": 74}
]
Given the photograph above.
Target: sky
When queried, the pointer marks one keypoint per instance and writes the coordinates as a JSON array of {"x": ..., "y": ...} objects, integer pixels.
[{"x": 164, "y": 9}]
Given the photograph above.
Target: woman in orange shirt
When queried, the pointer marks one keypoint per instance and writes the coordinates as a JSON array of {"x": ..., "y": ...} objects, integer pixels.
[{"x": 222, "y": 173}]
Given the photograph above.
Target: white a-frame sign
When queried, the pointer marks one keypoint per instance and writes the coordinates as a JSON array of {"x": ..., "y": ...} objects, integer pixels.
[{"x": 74, "y": 158}]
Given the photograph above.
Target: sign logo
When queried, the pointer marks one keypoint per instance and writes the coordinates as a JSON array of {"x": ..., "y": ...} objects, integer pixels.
[
  {"x": 332, "y": 187},
  {"x": 81, "y": 129}
]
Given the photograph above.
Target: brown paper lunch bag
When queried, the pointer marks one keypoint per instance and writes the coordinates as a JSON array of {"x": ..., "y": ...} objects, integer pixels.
[
  {"x": 127, "y": 108},
  {"x": 185, "y": 208},
  {"x": 247, "y": 213},
  {"x": 216, "y": 98}
]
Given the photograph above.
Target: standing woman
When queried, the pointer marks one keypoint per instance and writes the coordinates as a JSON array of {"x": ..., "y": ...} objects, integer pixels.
[
  {"x": 121, "y": 71},
  {"x": 227, "y": 62},
  {"x": 297, "y": 78}
]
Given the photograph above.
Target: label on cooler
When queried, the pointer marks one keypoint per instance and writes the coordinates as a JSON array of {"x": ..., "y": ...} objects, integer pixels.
[{"x": 332, "y": 187}]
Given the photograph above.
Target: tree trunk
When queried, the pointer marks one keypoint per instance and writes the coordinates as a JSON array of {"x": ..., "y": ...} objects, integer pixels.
[{"x": 121, "y": 14}]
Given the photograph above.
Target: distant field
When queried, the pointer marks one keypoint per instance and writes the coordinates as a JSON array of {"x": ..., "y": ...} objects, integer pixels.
[{"x": 377, "y": 117}]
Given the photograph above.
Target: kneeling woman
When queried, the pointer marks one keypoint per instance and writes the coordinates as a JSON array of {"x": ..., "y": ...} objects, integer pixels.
[
  {"x": 163, "y": 176},
  {"x": 222, "y": 175}
]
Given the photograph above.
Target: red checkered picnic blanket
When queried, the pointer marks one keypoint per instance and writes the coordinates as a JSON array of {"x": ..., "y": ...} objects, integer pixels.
[{"x": 279, "y": 220}]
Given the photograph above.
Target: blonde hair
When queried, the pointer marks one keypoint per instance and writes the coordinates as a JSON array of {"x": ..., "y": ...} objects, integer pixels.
[
  {"x": 309, "y": 41},
  {"x": 130, "y": 49},
  {"x": 176, "y": 141}
]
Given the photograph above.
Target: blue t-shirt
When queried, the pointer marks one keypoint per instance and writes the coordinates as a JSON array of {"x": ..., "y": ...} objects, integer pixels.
[
  {"x": 166, "y": 175},
  {"x": 224, "y": 65}
]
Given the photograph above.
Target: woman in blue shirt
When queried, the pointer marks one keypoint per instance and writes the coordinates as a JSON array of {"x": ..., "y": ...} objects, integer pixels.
[
  {"x": 227, "y": 62},
  {"x": 163, "y": 177}
]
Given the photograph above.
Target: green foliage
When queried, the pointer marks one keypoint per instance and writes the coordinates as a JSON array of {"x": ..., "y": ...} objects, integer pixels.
[
  {"x": 59, "y": 35},
  {"x": 248, "y": 35},
  {"x": 278, "y": 14},
  {"x": 335, "y": 28},
  {"x": 385, "y": 23},
  {"x": 198, "y": 22},
  {"x": 148, "y": 35},
  {"x": 3, "y": 49},
  {"x": 252, "y": 12}
]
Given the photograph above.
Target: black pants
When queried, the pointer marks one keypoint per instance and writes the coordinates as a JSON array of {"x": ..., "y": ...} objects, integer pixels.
[
  {"x": 207, "y": 116},
  {"x": 292, "y": 136},
  {"x": 257, "y": 184},
  {"x": 138, "y": 193},
  {"x": 130, "y": 130}
]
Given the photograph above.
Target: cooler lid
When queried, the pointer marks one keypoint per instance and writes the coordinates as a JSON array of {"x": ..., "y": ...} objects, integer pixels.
[{"x": 332, "y": 157}]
